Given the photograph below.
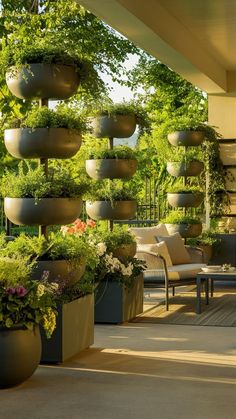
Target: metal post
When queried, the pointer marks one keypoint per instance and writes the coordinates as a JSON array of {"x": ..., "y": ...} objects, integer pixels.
[{"x": 44, "y": 163}]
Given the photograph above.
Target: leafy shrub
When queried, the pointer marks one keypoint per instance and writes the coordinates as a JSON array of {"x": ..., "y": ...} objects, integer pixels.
[
  {"x": 177, "y": 217},
  {"x": 116, "y": 153}
]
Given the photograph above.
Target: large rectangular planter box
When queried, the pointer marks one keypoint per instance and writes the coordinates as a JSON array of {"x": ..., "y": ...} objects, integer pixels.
[
  {"x": 74, "y": 331},
  {"x": 115, "y": 303},
  {"x": 227, "y": 250}
]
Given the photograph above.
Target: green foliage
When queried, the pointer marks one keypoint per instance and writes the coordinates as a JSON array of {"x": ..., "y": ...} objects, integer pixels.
[
  {"x": 118, "y": 237},
  {"x": 111, "y": 191},
  {"x": 23, "y": 301},
  {"x": 177, "y": 217},
  {"x": 33, "y": 183},
  {"x": 208, "y": 237},
  {"x": 121, "y": 152},
  {"x": 43, "y": 117},
  {"x": 184, "y": 189}
]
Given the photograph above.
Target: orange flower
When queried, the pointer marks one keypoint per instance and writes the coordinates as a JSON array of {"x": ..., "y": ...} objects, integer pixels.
[{"x": 91, "y": 223}]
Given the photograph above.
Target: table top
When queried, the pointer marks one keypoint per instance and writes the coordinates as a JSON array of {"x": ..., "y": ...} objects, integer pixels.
[{"x": 218, "y": 274}]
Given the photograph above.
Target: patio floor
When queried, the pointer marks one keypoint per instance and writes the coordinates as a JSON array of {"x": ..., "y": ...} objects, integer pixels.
[{"x": 136, "y": 371}]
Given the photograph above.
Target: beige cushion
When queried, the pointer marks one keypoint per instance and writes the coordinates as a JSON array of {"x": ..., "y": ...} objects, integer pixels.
[
  {"x": 146, "y": 235},
  {"x": 159, "y": 249},
  {"x": 175, "y": 273},
  {"x": 175, "y": 245}
]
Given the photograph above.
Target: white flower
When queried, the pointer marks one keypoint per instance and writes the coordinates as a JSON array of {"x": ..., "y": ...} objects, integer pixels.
[
  {"x": 101, "y": 249},
  {"x": 127, "y": 270}
]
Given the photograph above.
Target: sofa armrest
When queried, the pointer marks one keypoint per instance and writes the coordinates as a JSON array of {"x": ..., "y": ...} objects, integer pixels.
[
  {"x": 196, "y": 254},
  {"x": 152, "y": 260}
]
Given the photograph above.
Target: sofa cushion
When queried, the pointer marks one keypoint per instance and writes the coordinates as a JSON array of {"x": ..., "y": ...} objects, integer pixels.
[
  {"x": 175, "y": 273},
  {"x": 157, "y": 248},
  {"x": 146, "y": 235},
  {"x": 178, "y": 254}
]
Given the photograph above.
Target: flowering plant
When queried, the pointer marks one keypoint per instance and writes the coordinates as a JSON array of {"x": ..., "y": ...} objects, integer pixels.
[
  {"x": 25, "y": 302},
  {"x": 107, "y": 267}
]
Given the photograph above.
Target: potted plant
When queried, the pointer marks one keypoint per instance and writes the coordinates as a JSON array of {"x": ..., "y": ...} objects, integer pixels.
[
  {"x": 185, "y": 167},
  {"x": 186, "y": 132},
  {"x": 118, "y": 163},
  {"x": 120, "y": 242},
  {"x": 118, "y": 120},
  {"x": 45, "y": 133},
  {"x": 111, "y": 204},
  {"x": 185, "y": 196},
  {"x": 208, "y": 242},
  {"x": 33, "y": 198},
  {"x": 24, "y": 304},
  {"x": 43, "y": 71},
  {"x": 185, "y": 225}
]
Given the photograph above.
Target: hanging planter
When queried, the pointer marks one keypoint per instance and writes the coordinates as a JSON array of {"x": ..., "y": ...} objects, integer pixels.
[
  {"x": 59, "y": 269},
  {"x": 111, "y": 168},
  {"x": 27, "y": 143},
  {"x": 43, "y": 80},
  {"x": 185, "y": 199},
  {"x": 185, "y": 230},
  {"x": 44, "y": 211},
  {"x": 115, "y": 210},
  {"x": 20, "y": 352},
  {"x": 118, "y": 126},
  {"x": 186, "y": 138},
  {"x": 191, "y": 168}
]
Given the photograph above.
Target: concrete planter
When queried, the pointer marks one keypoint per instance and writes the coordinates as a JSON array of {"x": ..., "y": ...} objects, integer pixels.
[
  {"x": 45, "y": 211},
  {"x": 186, "y": 138},
  {"x": 116, "y": 210},
  {"x": 115, "y": 303},
  {"x": 187, "y": 199},
  {"x": 119, "y": 126},
  {"x": 192, "y": 168},
  {"x": 48, "y": 81},
  {"x": 74, "y": 331},
  {"x": 111, "y": 168},
  {"x": 20, "y": 352},
  {"x": 27, "y": 143},
  {"x": 59, "y": 269},
  {"x": 185, "y": 230}
]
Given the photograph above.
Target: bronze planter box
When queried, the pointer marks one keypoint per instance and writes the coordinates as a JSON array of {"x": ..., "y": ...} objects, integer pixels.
[
  {"x": 28, "y": 143},
  {"x": 59, "y": 269},
  {"x": 74, "y": 331},
  {"x": 186, "y": 200},
  {"x": 115, "y": 210},
  {"x": 48, "y": 81},
  {"x": 114, "y": 303},
  {"x": 118, "y": 126},
  {"x": 192, "y": 168},
  {"x": 185, "y": 230},
  {"x": 45, "y": 211},
  {"x": 111, "y": 168},
  {"x": 186, "y": 138}
]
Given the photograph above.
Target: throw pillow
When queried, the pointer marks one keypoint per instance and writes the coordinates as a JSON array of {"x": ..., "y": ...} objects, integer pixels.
[
  {"x": 146, "y": 235},
  {"x": 177, "y": 251},
  {"x": 159, "y": 249}
]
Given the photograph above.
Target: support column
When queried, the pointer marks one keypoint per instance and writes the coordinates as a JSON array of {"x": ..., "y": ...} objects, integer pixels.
[{"x": 221, "y": 115}]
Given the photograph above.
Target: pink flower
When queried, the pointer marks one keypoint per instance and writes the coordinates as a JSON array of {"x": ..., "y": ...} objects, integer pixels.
[
  {"x": 91, "y": 223},
  {"x": 21, "y": 291},
  {"x": 10, "y": 290}
]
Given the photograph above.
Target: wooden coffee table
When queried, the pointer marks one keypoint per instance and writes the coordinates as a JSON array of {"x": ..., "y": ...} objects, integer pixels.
[{"x": 211, "y": 276}]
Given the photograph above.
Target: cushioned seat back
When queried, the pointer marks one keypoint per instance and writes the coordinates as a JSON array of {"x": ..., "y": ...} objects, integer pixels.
[{"x": 146, "y": 235}]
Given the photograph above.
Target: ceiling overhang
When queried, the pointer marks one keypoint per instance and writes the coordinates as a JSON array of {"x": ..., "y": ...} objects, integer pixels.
[{"x": 188, "y": 36}]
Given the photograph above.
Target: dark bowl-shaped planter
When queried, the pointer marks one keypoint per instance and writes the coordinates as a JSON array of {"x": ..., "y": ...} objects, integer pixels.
[
  {"x": 28, "y": 143},
  {"x": 186, "y": 138},
  {"x": 125, "y": 251},
  {"x": 119, "y": 126},
  {"x": 116, "y": 210},
  {"x": 192, "y": 168},
  {"x": 111, "y": 168},
  {"x": 185, "y": 230},
  {"x": 45, "y": 211},
  {"x": 188, "y": 199},
  {"x": 20, "y": 353},
  {"x": 48, "y": 81},
  {"x": 59, "y": 270}
]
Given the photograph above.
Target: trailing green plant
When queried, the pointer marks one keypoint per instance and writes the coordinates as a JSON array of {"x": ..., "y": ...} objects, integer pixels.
[
  {"x": 43, "y": 117},
  {"x": 121, "y": 152},
  {"x": 33, "y": 183},
  {"x": 178, "y": 217},
  {"x": 25, "y": 302}
]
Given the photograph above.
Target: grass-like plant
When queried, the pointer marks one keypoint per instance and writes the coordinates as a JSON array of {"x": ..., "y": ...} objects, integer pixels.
[
  {"x": 33, "y": 183},
  {"x": 184, "y": 189}
]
